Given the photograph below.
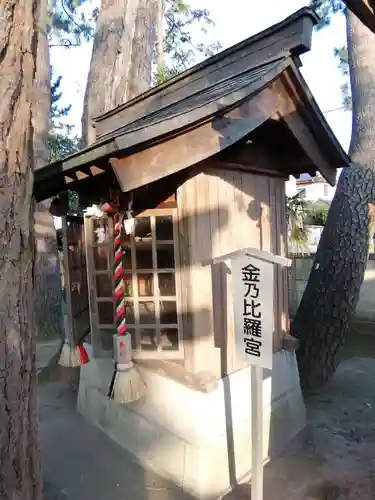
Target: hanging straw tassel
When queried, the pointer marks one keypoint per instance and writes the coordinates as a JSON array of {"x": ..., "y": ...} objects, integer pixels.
[
  {"x": 127, "y": 384},
  {"x": 69, "y": 357},
  {"x": 72, "y": 356}
]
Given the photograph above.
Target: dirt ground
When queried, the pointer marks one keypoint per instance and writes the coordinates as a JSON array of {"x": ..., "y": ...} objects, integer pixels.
[{"x": 337, "y": 461}]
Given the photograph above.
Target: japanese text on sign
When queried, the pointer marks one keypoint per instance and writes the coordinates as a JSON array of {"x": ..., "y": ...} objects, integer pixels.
[
  {"x": 253, "y": 309},
  {"x": 252, "y": 314}
]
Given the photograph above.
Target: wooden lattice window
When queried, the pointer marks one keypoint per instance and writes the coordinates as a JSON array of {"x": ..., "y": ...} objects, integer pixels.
[
  {"x": 75, "y": 277},
  {"x": 152, "y": 284}
]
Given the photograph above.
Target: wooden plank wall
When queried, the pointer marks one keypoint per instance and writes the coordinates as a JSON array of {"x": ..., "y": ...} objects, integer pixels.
[
  {"x": 77, "y": 279},
  {"x": 220, "y": 211}
]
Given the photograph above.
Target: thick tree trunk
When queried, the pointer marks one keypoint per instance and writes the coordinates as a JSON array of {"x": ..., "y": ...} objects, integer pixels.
[
  {"x": 160, "y": 56},
  {"x": 47, "y": 284},
  {"x": 142, "y": 49},
  {"x": 328, "y": 305},
  {"x": 20, "y": 476},
  {"x": 361, "y": 55},
  {"x": 121, "y": 58}
]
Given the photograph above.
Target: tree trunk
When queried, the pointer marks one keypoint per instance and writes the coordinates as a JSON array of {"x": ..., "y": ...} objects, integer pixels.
[
  {"x": 20, "y": 476},
  {"x": 121, "y": 58},
  {"x": 160, "y": 56},
  {"x": 47, "y": 284},
  {"x": 142, "y": 49},
  {"x": 329, "y": 302}
]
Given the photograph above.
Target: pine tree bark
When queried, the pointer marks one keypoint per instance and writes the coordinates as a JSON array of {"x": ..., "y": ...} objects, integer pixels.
[
  {"x": 142, "y": 49},
  {"x": 47, "y": 284},
  {"x": 160, "y": 56},
  {"x": 329, "y": 302},
  {"x": 20, "y": 475},
  {"x": 121, "y": 58}
]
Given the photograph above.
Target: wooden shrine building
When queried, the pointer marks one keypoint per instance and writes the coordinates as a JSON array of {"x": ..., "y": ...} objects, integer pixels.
[{"x": 201, "y": 160}]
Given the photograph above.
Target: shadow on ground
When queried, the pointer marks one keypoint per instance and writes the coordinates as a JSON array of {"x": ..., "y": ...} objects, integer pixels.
[
  {"x": 79, "y": 461},
  {"x": 335, "y": 462}
]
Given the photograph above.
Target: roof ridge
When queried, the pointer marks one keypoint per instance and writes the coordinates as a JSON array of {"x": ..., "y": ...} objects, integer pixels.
[
  {"x": 265, "y": 66},
  {"x": 221, "y": 55}
]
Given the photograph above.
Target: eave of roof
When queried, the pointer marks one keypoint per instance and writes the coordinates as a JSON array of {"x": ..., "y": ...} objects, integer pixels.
[
  {"x": 320, "y": 126},
  {"x": 126, "y": 141}
]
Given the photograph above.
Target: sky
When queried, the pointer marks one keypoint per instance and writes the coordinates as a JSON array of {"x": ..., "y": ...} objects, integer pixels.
[{"x": 244, "y": 18}]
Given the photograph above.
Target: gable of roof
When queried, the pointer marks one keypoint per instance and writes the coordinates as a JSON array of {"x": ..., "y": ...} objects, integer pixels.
[{"x": 290, "y": 37}]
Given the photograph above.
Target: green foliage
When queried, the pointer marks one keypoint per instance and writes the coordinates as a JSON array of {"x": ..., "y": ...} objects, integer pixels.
[
  {"x": 179, "y": 46},
  {"x": 342, "y": 55},
  {"x": 164, "y": 74},
  {"x": 73, "y": 202},
  {"x": 56, "y": 111},
  {"x": 67, "y": 25},
  {"x": 296, "y": 213},
  {"x": 326, "y": 9},
  {"x": 60, "y": 143},
  {"x": 319, "y": 215}
]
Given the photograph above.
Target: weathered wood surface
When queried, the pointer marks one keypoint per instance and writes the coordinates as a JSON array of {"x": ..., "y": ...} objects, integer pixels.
[
  {"x": 76, "y": 277},
  {"x": 252, "y": 252},
  {"x": 291, "y": 36},
  {"x": 196, "y": 145},
  {"x": 215, "y": 136},
  {"x": 299, "y": 128},
  {"x": 221, "y": 212},
  {"x": 200, "y": 106},
  {"x": 312, "y": 114}
]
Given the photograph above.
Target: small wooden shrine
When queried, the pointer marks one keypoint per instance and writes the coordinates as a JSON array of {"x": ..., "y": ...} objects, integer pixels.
[{"x": 201, "y": 162}]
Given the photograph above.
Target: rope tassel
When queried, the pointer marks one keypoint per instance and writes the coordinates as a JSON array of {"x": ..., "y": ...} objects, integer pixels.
[{"x": 127, "y": 384}]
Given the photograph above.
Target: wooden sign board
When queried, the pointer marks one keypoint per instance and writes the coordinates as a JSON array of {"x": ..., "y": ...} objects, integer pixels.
[
  {"x": 252, "y": 289},
  {"x": 252, "y": 283}
]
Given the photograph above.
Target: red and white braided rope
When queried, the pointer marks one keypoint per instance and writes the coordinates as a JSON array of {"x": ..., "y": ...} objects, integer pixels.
[{"x": 119, "y": 279}]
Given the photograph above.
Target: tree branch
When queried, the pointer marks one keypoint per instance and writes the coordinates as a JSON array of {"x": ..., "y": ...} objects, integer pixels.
[
  {"x": 72, "y": 20},
  {"x": 364, "y": 11}
]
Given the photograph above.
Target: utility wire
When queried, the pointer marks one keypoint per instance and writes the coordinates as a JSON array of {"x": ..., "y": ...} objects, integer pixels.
[{"x": 334, "y": 109}]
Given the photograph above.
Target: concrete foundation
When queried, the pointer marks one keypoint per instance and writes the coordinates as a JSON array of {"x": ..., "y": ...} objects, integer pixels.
[{"x": 200, "y": 441}]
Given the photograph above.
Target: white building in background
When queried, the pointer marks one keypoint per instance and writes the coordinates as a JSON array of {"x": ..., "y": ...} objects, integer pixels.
[
  {"x": 315, "y": 189},
  {"x": 311, "y": 189},
  {"x": 291, "y": 186},
  {"x": 57, "y": 221}
]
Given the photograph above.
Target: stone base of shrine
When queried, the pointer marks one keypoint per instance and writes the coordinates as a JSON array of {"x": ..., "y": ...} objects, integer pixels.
[{"x": 200, "y": 441}]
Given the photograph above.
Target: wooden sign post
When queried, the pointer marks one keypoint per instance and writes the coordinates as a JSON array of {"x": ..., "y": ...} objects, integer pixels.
[{"x": 253, "y": 288}]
